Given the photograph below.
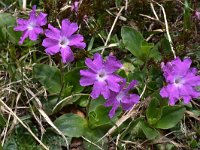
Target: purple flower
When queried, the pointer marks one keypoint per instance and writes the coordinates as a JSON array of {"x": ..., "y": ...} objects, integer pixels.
[
  {"x": 32, "y": 27},
  {"x": 101, "y": 75},
  {"x": 122, "y": 97},
  {"x": 75, "y": 6},
  {"x": 181, "y": 81},
  {"x": 197, "y": 15},
  {"x": 61, "y": 40}
]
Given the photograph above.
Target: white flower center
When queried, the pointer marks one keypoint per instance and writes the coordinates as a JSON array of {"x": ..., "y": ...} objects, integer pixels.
[
  {"x": 63, "y": 42},
  {"x": 178, "y": 81},
  {"x": 120, "y": 96},
  {"x": 31, "y": 26},
  {"x": 101, "y": 76}
]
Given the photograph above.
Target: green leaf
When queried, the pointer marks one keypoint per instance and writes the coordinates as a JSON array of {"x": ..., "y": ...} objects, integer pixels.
[
  {"x": 98, "y": 113},
  {"x": 83, "y": 101},
  {"x": 99, "y": 116},
  {"x": 71, "y": 125},
  {"x": 132, "y": 40},
  {"x": 7, "y": 23},
  {"x": 187, "y": 15},
  {"x": 72, "y": 78},
  {"x": 171, "y": 115},
  {"x": 153, "y": 112},
  {"x": 48, "y": 76},
  {"x": 90, "y": 45},
  {"x": 6, "y": 20},
  {"x": 149, "y": 132},
  {"x": 139, "y": 128},
  {"x": 54, "y": 141},
  {"x": 118, "y": 3}
]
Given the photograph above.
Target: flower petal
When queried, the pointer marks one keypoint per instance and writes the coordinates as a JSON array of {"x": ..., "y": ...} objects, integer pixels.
[
  {"x": 114, "y": 108},
  {"x": 67, "y": 54},
  {"x": 41, "y": 19},
  {"x": 100, "y": 88},
  {"x": 113, "y": 82},
  {"x": 32, "y": 13},
  {"x": 77, "y": 41},
  {"x": 49, "y": 42},
  {"x": 21, "y": 25},
  {"x": 23, "y": 37},
  {"x": 96, "y": 64},
  {"x": 52, "y": 50},
  {"x": 131, "y": 86},
  {"x": 112, "y": 64},
  {"x": 86, "y": 81},
  {"x": 88, "y": 73},
  {"x": 52, "y": 33},
  {"x": 129, "y": 101},
  {"x": 186, "y": 99},
  {"x": 68, "y": 28}
]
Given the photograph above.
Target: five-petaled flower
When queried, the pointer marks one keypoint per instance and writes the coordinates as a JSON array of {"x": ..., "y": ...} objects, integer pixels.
[
  {"x": 122, "y": 97},
  {"x": 181, "y": 81},
  {"x": 101, "y": 74},
  {"x": 61, "y": 40},
  {"x": 32, "y": 27}
]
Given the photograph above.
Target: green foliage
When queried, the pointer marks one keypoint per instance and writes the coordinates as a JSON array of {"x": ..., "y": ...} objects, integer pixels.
[
  {"x": 71, "y": 125},
  {"x": 72, "y": 79},
  {"x": 140, "y": 128},
  {"x": 187, "y": 15},
  {"x": 136, "y": 44},
  {"x": 171, "y": 115},
  {"x": 21, "y": 140},
  {"x": 153, "y": 112},
  {"x": 7, "y": 22},
  {"x": 98, "y": 114},
  {"x": 48, "y": 76}
]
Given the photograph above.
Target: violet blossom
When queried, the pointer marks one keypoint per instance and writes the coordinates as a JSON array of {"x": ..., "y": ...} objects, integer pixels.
[
  {"x": 60, "y": 40},
  {"x": 197, "y": 14},
  {"x": 101, "y": 74},
  {"x": 32, "y": 27},
  {"x": 122, "y": 98},
  {"x": 75, "y": 6},
  {"x": 181, "y": 81}
]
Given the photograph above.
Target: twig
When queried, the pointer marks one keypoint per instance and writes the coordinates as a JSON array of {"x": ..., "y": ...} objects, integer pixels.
[
  {"x": 24, "y": 5},
  {"x": 191, "y": 114},
  {"x": 154, "y": 12},
  {"x": 20, "y": 121},
  {"x": 92, "y": 143},
  {"x": 126, "y": 4},
  {"x": 69, "y": 97},
  {"x": 113, "y": 25},
  {"x": 167, "y": 28}
]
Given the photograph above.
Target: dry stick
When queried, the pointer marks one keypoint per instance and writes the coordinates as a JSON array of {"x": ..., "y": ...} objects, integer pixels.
[
  {"x": 123, "y": 118},
  {"x": 48, "y": 120},
  {"x": 191, "y": 114},
  {"x": 154, "y": 12},
  {"x": 5, "y": 130},
  {"x": 117, "y": 141},
  {"x": 115, "y": 21},
  {"x": 14, "y": 122},
  {"x": 167, "y": 28},
  {"x": 126, "y": 4},
  {"x": 20, "y": 121},
  {"x": 92, "y": 143},
  {"x": 24, "y": 5}
]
